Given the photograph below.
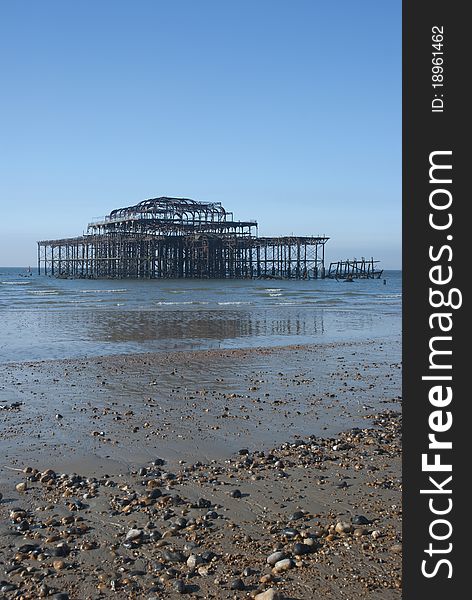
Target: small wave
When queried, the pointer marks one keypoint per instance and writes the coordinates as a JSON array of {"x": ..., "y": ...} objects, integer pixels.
[
  {"x": 228, "y": 303},
  {"x": 44, "y": 292},
  {"x": 119, "y": 291},
  {"x": 319, "y": 302},
  {"x": 82, "y": 301},
  {"x": 16, "y": 282},
  {"x": 273, "y": 289},
  {"x": 274, "y": 295},
  {"x": 174, "y": 303},
  {"x": 359, "y": 293}
]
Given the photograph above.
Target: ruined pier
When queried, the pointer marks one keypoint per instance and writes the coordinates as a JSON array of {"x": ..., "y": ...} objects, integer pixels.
[
  {"x": 176, "y": 238},
  {"x": 354, "y": 269}
]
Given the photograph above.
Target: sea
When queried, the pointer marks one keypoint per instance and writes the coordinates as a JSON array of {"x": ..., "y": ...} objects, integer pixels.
[{"x": 44, "y": 318}]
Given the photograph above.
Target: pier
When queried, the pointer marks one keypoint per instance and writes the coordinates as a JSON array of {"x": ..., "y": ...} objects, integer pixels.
[
  {"x": 176, "y": 238},
  {"x": 354, "y": 269}
]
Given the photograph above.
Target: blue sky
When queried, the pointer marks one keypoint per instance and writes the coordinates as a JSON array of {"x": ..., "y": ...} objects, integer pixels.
[{"x": 288, "y": 112}]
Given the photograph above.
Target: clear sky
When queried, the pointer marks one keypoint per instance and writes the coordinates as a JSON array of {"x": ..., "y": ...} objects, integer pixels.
[{"x": 288, "y": 112}]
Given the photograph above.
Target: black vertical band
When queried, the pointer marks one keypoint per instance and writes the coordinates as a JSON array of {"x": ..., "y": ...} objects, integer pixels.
[{"x": 435, "y": 323}]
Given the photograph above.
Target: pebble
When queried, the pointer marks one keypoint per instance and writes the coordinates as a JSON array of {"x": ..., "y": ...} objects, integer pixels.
[
  {"x": 61, "y": 549},
  {"x": 21, "y": 487},
  {"x": 27, "y": 548},
  {"x": 376, "y": 534},
  {"x": 154, "y": 494},
  {"x": 343, "y": 527},
  {"x": 179, "y": 586},
  {"x": 300, "y": 549},
  {"x": 290, "y": 532},
  {"x": 23, "y": 526},
  {"x": 203, "y": 503},
  {"x": 208, "y": 555},
  {"x": 237, "y": 584},
  {"x": 193, "y": 561},
  {"x": 133, "y": 534},
  {"x": 297, "y": 516},
  {"x": 43, "y": 591},
  {"x": 360, "y": 531},
  {"x": 270, "y": 594},
  {"x": 396, "y": 549},
  {"x": 275, "y": 557},
  {"x": 309, "y": 541},
  {"x": 181, "y": 523},
  {"x": 283, "y": 565},
  {"x": 171, "y": 557},
  {"x": 360, "y": 520},
  {"x": 7, "y": 587},
  {"x": 235, "y": 494}
]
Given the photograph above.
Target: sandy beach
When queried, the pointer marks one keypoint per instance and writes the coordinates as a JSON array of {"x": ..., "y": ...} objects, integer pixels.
[{"x": 266, "y": 473}]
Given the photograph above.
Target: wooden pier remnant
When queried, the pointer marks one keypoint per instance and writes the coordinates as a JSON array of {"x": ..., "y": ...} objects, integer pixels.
[
  {"x": 176, "y": 238},
  {"x": 354, "y": 269}
]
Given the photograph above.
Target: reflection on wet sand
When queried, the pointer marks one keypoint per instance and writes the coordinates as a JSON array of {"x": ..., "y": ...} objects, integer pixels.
[{"x": 146, "y": 325}]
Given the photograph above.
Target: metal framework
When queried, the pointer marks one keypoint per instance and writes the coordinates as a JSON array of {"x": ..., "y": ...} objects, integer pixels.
[
  {"x": 179, "y": 237},
  {"x": 354, "y": 269}
]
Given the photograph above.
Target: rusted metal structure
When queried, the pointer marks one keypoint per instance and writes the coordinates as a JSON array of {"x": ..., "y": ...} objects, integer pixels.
[
  {"x": 354, "y": 269},
  {"x": 179, "y": 237}
]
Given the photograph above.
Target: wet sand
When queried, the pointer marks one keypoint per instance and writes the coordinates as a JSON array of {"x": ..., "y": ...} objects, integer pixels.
[{"x": 309, "y": 436}]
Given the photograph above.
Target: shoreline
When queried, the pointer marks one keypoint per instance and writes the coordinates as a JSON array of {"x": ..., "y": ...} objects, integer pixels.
[{"x": 209, "y": 351}]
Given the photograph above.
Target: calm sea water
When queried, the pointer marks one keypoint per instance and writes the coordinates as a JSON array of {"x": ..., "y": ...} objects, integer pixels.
[{"x": 46, "y": 318}]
